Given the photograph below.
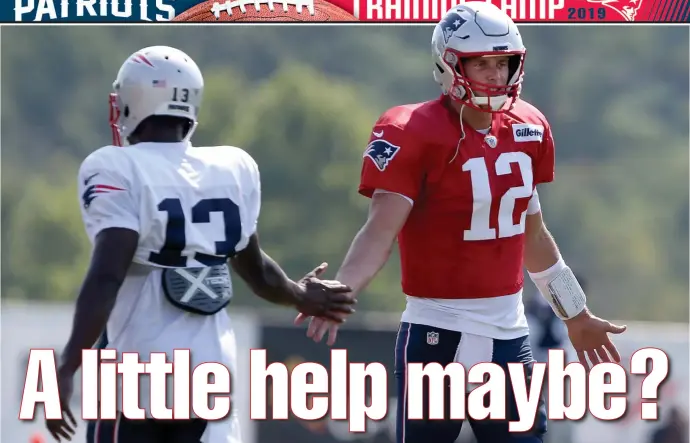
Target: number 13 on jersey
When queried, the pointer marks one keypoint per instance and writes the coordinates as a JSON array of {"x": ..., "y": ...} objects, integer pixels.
[
  {"x": 482, "y": 196},
  {"x": 176, "y": 235}
]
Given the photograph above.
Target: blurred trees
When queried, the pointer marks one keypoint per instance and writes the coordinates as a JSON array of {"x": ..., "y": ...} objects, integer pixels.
[{"x": 302, "y": 101}]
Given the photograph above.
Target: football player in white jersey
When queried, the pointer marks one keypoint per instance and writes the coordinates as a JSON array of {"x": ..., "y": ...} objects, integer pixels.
[{"x": 165, "y": 219}]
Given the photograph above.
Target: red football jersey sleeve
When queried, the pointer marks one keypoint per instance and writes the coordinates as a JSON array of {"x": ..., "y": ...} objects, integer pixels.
[
  {"x": 545, "y": 164},
  {"x": 392, "y": 162}
]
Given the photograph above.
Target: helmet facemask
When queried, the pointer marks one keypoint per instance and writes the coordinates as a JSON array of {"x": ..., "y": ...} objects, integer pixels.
[
  {"x": 115, "y": 126},
  {"x": 482, "y": 96}
]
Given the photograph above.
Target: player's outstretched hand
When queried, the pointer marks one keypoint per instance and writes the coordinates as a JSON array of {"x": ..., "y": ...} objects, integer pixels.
[
  {"x": 318, "y": 328},
  {"x": 60, "y": 429},
  {"x": 329, "y": 299},
  {"x": 589, "y": 336}
]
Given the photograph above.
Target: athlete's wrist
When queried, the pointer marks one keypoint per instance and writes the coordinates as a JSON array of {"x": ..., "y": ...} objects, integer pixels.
[
  {"x": 560, "y": 288},
  {"x": 584, "y": 314},
  {"x": 295, "y": 293},
  {"x": 68, "y": 365},
  {"x": 349, "y": 278}
]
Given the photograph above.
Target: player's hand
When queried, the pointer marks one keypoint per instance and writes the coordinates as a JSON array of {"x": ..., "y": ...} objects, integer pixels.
[
  {"x": 318, "y": 328},
  {"x": 324, "y": 298},
  {"x": 589, "y": 336},
  {"x": 60, "y": 429}
]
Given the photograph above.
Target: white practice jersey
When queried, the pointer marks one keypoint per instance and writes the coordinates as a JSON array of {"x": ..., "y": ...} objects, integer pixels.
[
  {"x": 185, "y": 202},
  {"x": 192, "y": 207}
]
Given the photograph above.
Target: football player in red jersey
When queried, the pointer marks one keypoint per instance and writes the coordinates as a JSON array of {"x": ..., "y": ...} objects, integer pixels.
[{"x": 454, "y": 180}]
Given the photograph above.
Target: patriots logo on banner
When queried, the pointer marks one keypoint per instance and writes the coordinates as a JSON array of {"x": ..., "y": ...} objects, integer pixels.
[
  {"x": 627, "y": 8},
  {"x": 451, "y": 24},
  {"x": 381, "y": 152}
]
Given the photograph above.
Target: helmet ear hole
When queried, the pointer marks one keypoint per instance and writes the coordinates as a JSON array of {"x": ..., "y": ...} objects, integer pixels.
[{"x": 125, "y": 112}]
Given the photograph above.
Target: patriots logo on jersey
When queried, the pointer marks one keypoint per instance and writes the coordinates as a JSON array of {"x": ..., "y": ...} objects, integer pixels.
[
  {"x": 381, "y": 152},
  {"x": 92, "y": 191}
]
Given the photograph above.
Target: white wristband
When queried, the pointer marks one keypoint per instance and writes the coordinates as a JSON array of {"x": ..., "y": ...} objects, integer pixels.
[{"x": 561, "y": 289}]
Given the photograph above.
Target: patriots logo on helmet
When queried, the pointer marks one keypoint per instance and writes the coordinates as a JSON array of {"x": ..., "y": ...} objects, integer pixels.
[
  {"x": 451, "y": 23},
  {"x": 381, "y": 152}
]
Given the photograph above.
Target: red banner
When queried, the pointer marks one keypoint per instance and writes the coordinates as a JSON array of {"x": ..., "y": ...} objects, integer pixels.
[{"x": 563, "y": 11}]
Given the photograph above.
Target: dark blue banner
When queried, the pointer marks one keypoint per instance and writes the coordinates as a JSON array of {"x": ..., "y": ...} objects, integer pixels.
[{"x": 92, "y": 11}]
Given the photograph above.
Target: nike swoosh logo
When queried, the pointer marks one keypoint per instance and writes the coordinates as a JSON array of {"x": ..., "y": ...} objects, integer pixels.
[{"x": 378, "y": 134}]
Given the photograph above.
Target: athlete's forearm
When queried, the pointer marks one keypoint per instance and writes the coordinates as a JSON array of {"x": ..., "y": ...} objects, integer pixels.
[
  {"x": 541, "y": 251},
  {"x": 545, "y": 266},
  {"x": 111, "y": 259},
  {"x": 275, "y": 286},
  {"x": 94, "y": 304},
  {"x": 266, "y": 278},
  {"x": 368, "y": 253}
]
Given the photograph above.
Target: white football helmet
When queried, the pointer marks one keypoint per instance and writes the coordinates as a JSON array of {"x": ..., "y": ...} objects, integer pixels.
[
  {"x": 477, "y": 29},
  {"x": 158, "y": 80}
]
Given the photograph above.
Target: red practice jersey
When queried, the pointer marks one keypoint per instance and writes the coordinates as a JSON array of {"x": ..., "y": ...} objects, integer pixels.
[{"x": 464, "y": 237}]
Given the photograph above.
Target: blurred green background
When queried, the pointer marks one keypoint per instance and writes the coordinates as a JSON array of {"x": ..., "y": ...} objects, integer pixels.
[{"x": 302, "y": 101}]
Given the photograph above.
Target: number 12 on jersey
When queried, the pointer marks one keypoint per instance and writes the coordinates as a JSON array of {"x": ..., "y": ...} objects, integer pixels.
[
  {"x": 482, "y": 197},
  {"x": 176, "y": 235}
]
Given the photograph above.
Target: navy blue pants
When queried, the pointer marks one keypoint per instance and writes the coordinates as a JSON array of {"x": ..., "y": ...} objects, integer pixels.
[
  {"x": 412, "y": 347},
  {"x": 124, "y": 430}
]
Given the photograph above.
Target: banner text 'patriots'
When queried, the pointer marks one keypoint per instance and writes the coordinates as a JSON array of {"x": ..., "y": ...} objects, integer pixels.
[{"x": 44, "y": 10}]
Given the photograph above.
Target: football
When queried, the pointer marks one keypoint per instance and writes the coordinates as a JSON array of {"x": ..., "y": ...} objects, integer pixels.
[{"x": 265, "y": 11}]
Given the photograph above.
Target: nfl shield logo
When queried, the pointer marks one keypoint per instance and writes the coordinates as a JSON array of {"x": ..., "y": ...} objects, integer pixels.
[{"x": 432, "y": 338}]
